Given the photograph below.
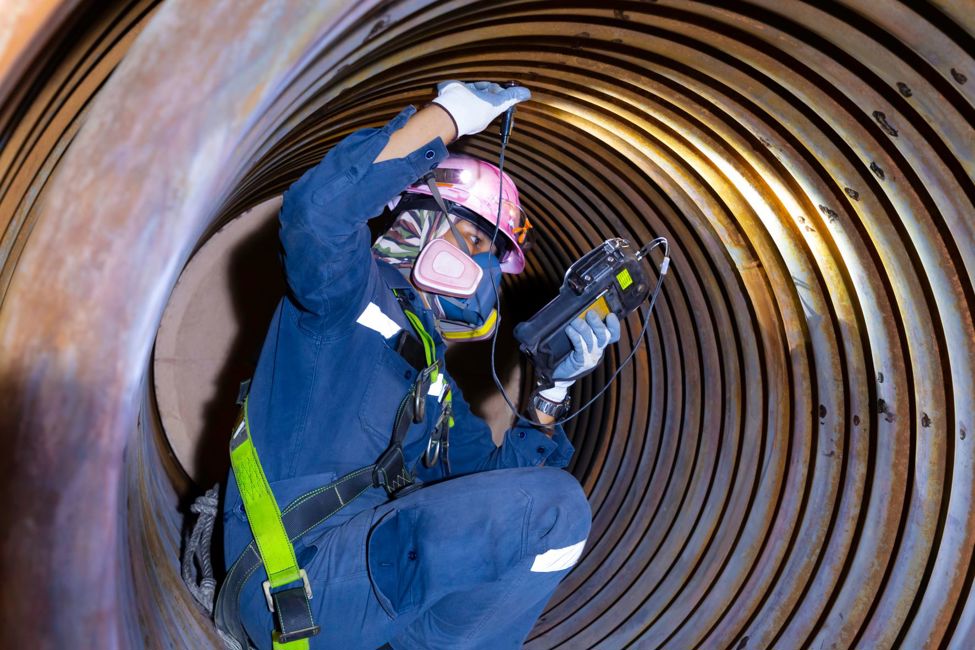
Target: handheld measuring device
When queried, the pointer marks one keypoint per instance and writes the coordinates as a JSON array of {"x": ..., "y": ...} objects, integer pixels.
[{"x": 608, "y": 279}]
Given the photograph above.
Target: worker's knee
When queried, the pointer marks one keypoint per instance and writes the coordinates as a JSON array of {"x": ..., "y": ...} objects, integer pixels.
[{"x": 560, "y": 515}]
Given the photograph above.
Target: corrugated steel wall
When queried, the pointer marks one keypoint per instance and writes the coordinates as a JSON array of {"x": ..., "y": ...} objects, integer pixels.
[{"x": 788, "y": 463}]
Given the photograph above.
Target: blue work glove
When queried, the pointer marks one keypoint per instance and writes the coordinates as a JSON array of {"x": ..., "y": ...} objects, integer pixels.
[
  {"x": 475, "y": 105},
  {"x": 589, "y": 338}
]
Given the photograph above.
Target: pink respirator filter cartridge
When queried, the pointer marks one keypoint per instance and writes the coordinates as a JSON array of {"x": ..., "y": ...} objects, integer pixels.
[{"x": 444, "y": 269}]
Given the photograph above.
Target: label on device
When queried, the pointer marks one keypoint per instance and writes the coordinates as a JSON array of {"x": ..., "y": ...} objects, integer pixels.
[
  {"x": 600, "y": 306},
  {"x": 623, "y": 277}
]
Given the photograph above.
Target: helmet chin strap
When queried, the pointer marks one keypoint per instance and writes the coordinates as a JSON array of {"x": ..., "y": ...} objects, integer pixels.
[
  {"x": 435, "y": 192},
  {"x": 429, "y": 300}
]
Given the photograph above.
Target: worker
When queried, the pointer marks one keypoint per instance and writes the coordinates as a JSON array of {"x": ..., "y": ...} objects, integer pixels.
[{"x": 367, "y": 506}]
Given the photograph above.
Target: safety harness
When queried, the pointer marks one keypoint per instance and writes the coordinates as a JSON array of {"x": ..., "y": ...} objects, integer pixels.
[{"x": 287, "y": 589}]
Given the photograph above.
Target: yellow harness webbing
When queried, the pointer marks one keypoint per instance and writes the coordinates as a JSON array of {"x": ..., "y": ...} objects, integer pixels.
[{"x": 264, "y": 517}]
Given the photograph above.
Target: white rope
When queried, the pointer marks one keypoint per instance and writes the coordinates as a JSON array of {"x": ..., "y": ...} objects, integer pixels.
[{"x": 196, "y": 566}]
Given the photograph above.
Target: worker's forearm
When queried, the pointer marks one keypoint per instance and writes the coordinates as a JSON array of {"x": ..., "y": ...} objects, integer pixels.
[
  {"x": 425, "y": 125},
  {"x": 544, "y": 418}
]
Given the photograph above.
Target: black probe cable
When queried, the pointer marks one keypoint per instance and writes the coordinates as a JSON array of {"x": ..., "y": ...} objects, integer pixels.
[{"x": 664, "y": 267}]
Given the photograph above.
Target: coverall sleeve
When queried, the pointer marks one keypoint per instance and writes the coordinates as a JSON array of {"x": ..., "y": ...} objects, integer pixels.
[
  {"x": 324, "y": 237},
  {"x": 525, "y": 445}
]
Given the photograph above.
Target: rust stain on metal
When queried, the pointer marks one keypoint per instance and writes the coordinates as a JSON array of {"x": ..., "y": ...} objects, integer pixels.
[{"x": 881, "y": 119}]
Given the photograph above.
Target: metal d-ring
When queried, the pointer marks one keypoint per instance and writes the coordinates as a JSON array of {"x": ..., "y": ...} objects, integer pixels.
[{"x": 430, "y": 458}]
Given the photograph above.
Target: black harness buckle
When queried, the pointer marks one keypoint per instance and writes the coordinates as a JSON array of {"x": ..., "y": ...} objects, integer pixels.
[
  {"x": 390, "y": 472},
  {"x": 290, "y": 607}
]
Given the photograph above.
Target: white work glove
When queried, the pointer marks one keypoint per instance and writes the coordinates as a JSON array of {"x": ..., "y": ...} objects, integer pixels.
[
  {"x": 474, "y": 105},
  {"x": 589, "y": 338}
]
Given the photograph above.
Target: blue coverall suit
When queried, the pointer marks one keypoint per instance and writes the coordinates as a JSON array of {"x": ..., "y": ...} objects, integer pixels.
[{"x": 467, "y": 562}]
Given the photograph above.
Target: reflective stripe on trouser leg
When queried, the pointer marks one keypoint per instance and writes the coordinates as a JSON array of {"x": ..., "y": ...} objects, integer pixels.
[{"x": 453, "y": 563}]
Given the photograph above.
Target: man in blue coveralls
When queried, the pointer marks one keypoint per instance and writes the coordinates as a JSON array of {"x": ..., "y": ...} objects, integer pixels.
[{"x": 470, "y": 559}]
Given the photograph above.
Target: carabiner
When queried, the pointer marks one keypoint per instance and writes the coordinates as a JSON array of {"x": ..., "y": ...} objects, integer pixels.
[
  {"x": 419, "y": 405},
  {"x": 420, "y": 389},
  {"x": 432, "y": 454}
]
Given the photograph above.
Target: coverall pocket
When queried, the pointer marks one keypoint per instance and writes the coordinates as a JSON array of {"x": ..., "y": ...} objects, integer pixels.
[{"x": 392, "y": 561}]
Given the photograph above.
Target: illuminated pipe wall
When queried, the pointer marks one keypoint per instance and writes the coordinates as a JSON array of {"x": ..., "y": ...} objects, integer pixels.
[{"x": 788, "y": 462}]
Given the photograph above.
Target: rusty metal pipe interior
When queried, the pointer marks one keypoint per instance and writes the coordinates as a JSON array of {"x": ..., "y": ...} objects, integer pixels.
[{"x": 788, "y": 461}]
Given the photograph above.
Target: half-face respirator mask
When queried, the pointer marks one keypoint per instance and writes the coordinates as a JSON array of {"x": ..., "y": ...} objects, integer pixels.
[
  {"x": 461, "y": 286},
  {"x": 472, "y": 317}
]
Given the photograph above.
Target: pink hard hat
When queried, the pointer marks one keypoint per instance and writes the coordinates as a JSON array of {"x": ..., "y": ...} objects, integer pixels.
[{"x": 473, "y": 184}]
